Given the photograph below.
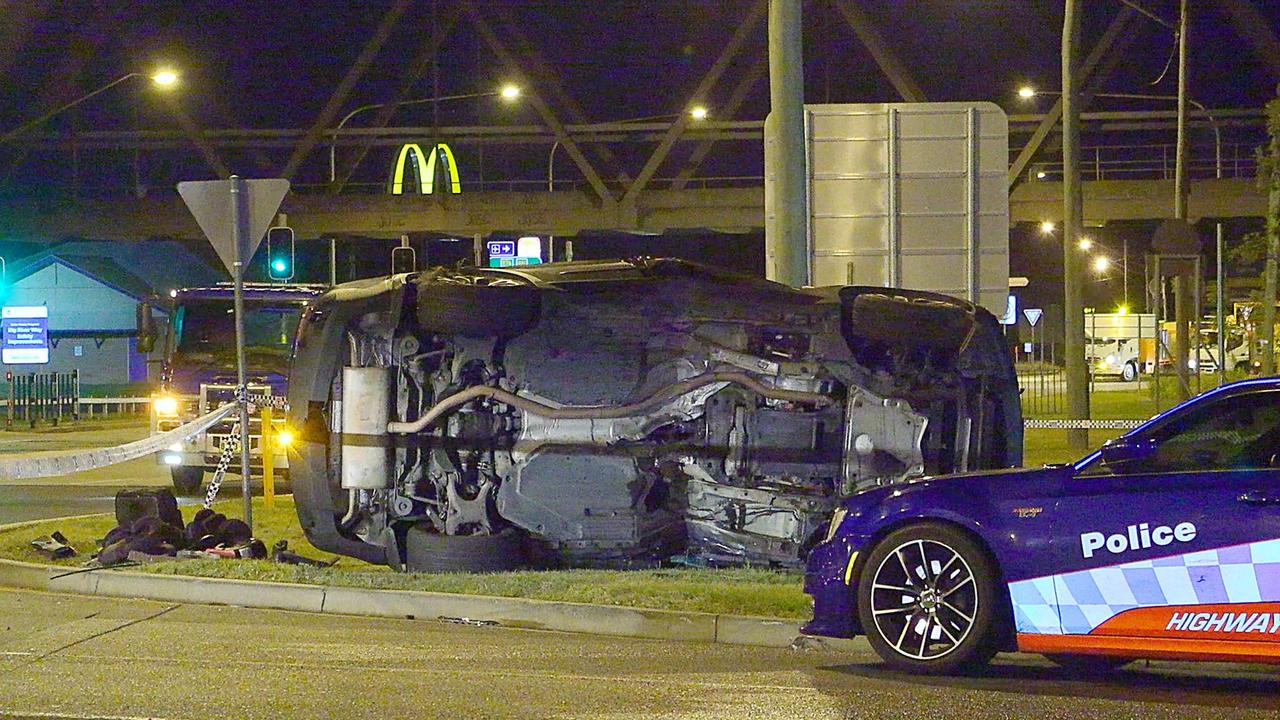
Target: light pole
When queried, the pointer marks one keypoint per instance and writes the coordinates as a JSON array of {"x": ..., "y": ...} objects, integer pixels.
[
  {"x": 162, "y": 79},
  {"x": 509, "y": 92}
]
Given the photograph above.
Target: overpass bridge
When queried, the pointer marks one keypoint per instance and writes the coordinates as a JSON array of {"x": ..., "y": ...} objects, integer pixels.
[
  {"x": 1123, "y": 180},
  {"x": 571, "y": 212}
]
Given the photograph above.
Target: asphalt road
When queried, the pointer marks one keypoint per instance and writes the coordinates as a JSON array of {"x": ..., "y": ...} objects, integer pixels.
[{"x": 73, "y": 657}]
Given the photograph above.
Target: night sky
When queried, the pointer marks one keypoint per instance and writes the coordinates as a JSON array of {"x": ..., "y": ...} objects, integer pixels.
[{"x": 268, "y": 64}]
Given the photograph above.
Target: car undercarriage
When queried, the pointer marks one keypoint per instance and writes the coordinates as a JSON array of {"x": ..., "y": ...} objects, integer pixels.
[{"x": 627, "y": 413}]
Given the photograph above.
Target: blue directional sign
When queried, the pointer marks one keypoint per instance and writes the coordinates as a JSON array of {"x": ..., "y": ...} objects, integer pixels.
[
  {"x": 502, "y": 253},
  {"x": 24, "y": 335}
]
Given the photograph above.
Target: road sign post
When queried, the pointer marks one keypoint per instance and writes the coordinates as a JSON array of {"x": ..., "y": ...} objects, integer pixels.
[
  {"x": 234, "y": 214},
  {"x": 239, "y": 233}
]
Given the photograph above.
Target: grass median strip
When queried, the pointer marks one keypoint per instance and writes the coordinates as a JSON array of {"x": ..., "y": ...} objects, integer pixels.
[{"x": 738, "y": 591}]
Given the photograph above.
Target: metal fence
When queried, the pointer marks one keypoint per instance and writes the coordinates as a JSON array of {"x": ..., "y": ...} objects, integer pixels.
[
  {"x": 1157, "y": 162},
  {"x": 42, "y": 397},
  {"x": 1043, "y": 391}
]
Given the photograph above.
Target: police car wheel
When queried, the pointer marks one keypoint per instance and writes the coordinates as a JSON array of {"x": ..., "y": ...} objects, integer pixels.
[
  {"x": 928, "y": 600},
  {"x": 1089, "y": 664}
]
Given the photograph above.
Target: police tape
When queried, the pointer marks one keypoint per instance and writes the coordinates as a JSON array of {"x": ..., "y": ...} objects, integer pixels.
[
  {"x": 1081, "y": 424},
  {"x": 229, "y": 450},
  {"x": 72, "y": 461},
  {"x": 275, "y": 402}
]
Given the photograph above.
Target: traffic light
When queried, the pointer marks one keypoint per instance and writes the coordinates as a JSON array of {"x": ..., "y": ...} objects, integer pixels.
[{"x": 280, "y": 253}]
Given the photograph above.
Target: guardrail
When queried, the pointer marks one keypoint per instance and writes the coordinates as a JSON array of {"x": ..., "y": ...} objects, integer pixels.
[
  {"x": 121, "y": 405},
  {"x": 1157, "y": 162}
]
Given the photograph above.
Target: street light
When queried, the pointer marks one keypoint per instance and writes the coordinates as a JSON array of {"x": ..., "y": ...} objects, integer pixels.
[
  {"x": 1047, "y": 227},
  {"x": 697, "y": 113},
  {"x": 164, "y": 79},
  {"x": 510, "y": 93},
  {"x": 1101, "y": 264},
  {"x": 1086, "y": 244}
]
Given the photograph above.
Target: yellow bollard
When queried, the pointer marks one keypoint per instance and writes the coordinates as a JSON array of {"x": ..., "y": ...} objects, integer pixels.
[{"x": 268, "y": 447}]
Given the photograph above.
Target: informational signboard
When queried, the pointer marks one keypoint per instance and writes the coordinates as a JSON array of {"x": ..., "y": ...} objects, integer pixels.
[
  {"x": 1010, "y": 316},
  {"x": 25, "y": 333},
  {"x": 502, "y": 253},
  {"x": 909, "y": 195},
  {"x": 511, "y": 253}
]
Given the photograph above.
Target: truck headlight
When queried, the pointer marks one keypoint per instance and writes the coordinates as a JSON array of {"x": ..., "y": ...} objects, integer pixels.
[
  {"x": 166, "y": 406},
  {"x": 836, "y": 518}
]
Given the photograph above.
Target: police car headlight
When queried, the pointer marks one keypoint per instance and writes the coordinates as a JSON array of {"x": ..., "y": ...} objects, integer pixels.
[
  {"x": 166, "y": 406},
  {"x": 836, "y": 518}
]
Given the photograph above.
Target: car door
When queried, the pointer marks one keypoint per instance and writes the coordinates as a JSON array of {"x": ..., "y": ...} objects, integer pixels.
[{"x": 1182, "y": 540}]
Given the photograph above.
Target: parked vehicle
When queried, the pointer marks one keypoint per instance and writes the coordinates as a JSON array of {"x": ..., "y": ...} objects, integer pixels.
[
  {"x": 199, "y": 371},
  {"x": 625, "y": 412},
  {"x": 1120, "y": 344},
  {"x": 1163, "y": 544}
]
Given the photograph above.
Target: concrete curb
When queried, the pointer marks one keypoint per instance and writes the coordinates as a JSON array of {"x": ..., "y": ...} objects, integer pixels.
[{"x": 468, "y": 609}]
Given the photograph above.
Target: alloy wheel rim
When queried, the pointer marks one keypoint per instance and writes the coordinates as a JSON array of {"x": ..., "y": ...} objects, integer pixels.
[{"x": 924, "y": 599}]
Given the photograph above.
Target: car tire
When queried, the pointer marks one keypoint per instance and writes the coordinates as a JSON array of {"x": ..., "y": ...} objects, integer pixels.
[
  {"x": 1129, "y": 373},
  {"x": 478, "y": 310},
  {"x": 1089, "y": 664},
  {"x": 187, "y": 480},
  {"x": 928, "y": 600},
  {"x": 429, "y": 551},
  {"x": 910, "y": 321}
]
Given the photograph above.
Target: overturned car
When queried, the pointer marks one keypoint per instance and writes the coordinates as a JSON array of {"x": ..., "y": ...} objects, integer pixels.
[{"x": 623, "y": 413}]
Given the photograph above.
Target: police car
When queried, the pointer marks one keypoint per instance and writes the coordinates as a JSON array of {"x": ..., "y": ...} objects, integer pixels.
[{"x": 1163, "y": 544}]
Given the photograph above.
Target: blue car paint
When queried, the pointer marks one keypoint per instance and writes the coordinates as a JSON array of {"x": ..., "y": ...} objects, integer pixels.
[{"x": 1031, "y": 520}]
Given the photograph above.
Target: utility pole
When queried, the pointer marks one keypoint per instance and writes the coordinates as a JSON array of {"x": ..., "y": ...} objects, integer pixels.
[
  {"x": 786, "y": 127},
  {"x": 1072, "y": 226},
  {"x": 1182, "y": 300},
  {"x": 1273, "y": 241}
]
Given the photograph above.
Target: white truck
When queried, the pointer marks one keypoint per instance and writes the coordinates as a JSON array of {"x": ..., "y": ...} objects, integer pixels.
[{"x": 1120, "y": 344}]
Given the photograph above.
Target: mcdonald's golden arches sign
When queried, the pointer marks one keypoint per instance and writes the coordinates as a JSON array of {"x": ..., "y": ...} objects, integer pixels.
[{"x": 411, "y": 160}]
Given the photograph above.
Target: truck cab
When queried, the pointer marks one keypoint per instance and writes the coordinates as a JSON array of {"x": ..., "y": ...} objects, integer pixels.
[{"x": 199, "y": 370}]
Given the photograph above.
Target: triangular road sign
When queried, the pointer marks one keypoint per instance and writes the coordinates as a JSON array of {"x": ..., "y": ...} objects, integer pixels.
[
  {"x": 1033, "y": 315},
  {"x": 210, "y": 202}
]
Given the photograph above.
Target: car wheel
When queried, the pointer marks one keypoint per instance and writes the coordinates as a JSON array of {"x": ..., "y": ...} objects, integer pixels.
[
  {"x": 477, "y": 310},
  {"x": 187, "y": 480},
  {"x": 1089, "y": 664},
  {"x": 1130, "y": 372},
  {"x": 429, "y": 551},
  {"x": 928, "y": 600}
]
